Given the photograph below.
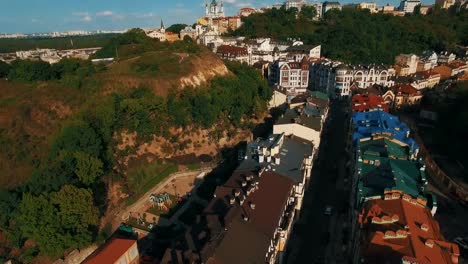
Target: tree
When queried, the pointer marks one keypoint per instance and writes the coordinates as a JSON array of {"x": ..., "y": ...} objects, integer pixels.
[
  {"x": 88, "y": 168},
  {"x": 4, "y": 69},
  {"x": 76, "y": 210},
  {"x": 176, "y": 28},
  {"x": 77, "y": 136},
  {"x": 27, "y": 70},
  {"x": 308, "y": 13},
  {"x": 61, "y": 220}
]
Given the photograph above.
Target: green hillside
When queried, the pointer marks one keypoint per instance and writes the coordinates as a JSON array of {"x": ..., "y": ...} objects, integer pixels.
[
  {"x": 59, "y": 125},
  {"x": 356, "y": 36}
]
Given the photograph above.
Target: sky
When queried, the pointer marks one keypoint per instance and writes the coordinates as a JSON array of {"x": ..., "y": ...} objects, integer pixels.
[{"x": 37, "y": 16}]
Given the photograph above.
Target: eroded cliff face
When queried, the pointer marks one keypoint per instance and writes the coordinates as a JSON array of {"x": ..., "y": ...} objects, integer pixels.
[
  {"x": 205, "y": 69},
  {"x": 181, "y": 71}
]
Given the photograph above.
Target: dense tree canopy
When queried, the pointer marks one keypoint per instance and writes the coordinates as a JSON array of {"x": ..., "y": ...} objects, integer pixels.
[
  {"x": 59, "y": 221},
  {"x": 60, "y": 205},
  {"x": 135, "y": 42},
  {"x": 357, "y": 36},
  {"x": 176, "y": 28}
]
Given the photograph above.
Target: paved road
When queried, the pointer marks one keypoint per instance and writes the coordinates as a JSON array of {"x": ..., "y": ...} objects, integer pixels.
[{"x": 316, "y": 238}]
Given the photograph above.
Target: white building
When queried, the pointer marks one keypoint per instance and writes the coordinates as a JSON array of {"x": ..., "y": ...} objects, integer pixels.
[
  {"x": 430, "y": 56},
  {"x": 331, "y": 5},
  {"x": 294, "y": 4},
  {"x": 371, "y": 6},
  {"x": 337, "y": 79},
  {"x": 290, "y": 75},
  {"x": 407, "y": 64},
  {"x": 318, "y": 8},
  {"x": 214, "y": 9},
  {"x": 157, "y": 33},
  {"x": 297, "y": 53},
  {"x": 305, "y": 121},
  {"x": 446, "y": 57},
  {"x": 408, "y": 6}
]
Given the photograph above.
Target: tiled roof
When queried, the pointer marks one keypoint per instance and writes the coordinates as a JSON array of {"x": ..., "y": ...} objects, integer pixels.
[
  {"x": 111, "y": 252},
  {"x": 397, "y": 228},
  {"x": 378, "y": 174},
  {"x": 405, "y": 89},
  {"x": 232, "y": 50},
  {"x": 320, "y": 95},
  {"x": 294, "y": 116},
  {"x": 301, "y": 48},
  {"x": 456, "y": 64},
  {"x": 367, "y": 124},
  {"x": 248, "y": 230},
  {"x": 365, "y": 103}
]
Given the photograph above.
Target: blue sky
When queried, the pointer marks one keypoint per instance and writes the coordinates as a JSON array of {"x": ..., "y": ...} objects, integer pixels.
[{"x": 29, "y": 16}]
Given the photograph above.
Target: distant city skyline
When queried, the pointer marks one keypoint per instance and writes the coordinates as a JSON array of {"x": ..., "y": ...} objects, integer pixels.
[{"x": 41, "y": 16}]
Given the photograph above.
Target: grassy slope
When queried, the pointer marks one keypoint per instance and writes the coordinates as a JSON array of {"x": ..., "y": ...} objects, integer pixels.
[{"x": 30, "y": 114}]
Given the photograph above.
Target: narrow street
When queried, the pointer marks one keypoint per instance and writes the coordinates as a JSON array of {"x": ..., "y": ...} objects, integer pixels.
[{"x": 316, "y": 237}]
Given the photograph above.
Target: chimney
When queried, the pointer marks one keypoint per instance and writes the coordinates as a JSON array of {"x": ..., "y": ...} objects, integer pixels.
[
  {"x": 425, "y": 227},
  {"x": 429, "y": 243}
]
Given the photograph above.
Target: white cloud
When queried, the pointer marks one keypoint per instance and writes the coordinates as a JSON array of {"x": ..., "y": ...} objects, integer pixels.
[
  {"x": 105, "y": 13},
  {"x": 84, "y": 16},
  {"x": 87, "y": 18},
  {"x": 111, "y": 14},
  {"x": 230, "y": 1}
]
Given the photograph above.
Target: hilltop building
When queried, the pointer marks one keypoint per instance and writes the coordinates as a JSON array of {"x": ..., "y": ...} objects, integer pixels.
[
  {"x": 216, "y": 18},
  {"x": 157, "y": 33},
  {"x": 371, "y": 6},
  {"x": 214, "y": 9},
  {"x": 331, "y": 5},
  {"x": 408, "y": 6}
]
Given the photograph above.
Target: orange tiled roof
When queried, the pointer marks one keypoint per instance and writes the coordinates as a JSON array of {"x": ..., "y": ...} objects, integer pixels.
[
  {"x": 405, "y": 89},
  {"x": 428, "y": 74},
  {"x": 111, "y": 252},
  {"x": 366, "y": 102},
  {"x": 456, "y": 64},
  {"x": 398, "y": 227}
]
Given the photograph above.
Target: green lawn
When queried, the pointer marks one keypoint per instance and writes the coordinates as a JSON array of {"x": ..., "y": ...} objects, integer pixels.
[
  {"x": 194, "y": 166},
  {"x": 142, "y": 178}
]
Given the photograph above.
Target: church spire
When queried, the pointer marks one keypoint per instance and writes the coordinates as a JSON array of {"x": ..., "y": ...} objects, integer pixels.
[{"x": 162, "y": 24}]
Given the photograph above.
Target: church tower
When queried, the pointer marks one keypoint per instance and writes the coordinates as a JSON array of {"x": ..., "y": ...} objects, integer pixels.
[
  {"x": 162, "y": 29},
  {"x": 214, "y": 9}
]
